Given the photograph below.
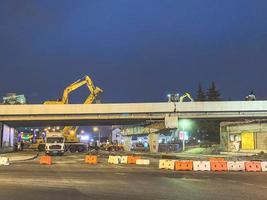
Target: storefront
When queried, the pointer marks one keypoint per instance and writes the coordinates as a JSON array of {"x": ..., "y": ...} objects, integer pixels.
[{"x": 248, "y": 135}]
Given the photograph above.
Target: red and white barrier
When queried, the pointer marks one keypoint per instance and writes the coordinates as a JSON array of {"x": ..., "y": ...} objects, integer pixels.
[
  {"x": 236, "y": 165},
  {"x": 142, "y": 162},
  {"x": 264, "y": 166},
  {"x": 201, "y": 165}
]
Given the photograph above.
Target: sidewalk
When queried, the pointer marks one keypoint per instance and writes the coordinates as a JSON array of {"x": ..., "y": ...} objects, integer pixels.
[{"x": 20, "y": 156}]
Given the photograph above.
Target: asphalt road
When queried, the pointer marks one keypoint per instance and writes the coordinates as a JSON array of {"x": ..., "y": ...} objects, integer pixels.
[{"x": 70, "y": 179}]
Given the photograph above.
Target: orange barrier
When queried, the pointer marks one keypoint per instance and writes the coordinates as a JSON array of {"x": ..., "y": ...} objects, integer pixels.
[
  {"x": 216, "y": 159},
  {"x": 253, "y": 166},
  {"x": 47, "y": 160},
  {"x": 218, "y": 166},
  {"x": 90, "y": 159},
  {"x": 132, "y": 159},
  {"x": 184, "y": 165}
]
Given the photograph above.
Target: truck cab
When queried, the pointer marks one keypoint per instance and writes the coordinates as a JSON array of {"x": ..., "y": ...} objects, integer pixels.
[{"x": 54, "y": 143}]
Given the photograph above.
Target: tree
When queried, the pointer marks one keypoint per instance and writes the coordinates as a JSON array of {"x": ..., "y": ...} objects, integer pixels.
[
  {"x": 213, "y": 94},
  {"x": 208, "y": 129},
  {"x": 201, "y": 96}
]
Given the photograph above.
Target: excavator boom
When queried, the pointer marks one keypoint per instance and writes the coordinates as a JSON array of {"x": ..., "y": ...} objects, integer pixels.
[{"x": 69, "y": 132}]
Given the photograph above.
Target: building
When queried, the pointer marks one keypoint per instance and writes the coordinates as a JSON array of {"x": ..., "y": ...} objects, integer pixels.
[
  {"x": 244, "y": 136},
  {"x": 7, "y": 138}
]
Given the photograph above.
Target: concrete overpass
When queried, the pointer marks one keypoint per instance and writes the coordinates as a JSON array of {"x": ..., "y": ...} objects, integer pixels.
[{"x": 127, "y": 113}]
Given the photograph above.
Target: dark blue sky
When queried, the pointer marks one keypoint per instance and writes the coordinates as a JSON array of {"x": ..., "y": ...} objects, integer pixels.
[{"x": 135, "y": 50}]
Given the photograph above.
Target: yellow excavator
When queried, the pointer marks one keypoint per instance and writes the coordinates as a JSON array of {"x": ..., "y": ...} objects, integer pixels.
[
  {"x": 74, "y": 86},
  {"x": 178, "y": 98},
  {"x": 70, "y": 132},
  {"x": 181, "y": 99}
]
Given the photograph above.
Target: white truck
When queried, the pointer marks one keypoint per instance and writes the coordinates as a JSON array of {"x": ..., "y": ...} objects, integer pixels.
[{"x": 54, "y": 143}]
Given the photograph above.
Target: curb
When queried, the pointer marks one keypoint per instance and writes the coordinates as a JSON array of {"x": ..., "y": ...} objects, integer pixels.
[{"x": 27, "y": 159}]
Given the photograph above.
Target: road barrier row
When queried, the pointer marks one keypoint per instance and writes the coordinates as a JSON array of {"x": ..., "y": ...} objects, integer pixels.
[
  {"x": 219, "y": 165},
  {"x": 128, "y": 160}
]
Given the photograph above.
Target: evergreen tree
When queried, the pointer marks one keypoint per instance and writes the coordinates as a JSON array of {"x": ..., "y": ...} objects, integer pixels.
[
  {"x": 201, "y": 96},
  {"x": 213, "y": 94}
]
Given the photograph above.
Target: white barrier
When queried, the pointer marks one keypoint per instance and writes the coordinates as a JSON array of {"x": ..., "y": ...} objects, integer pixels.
[
  {"x": 4, "y": 161},
  {"x": 201, "y": 165},
  {"x": 166, "y": 164},
  {"x": 142, "y": 162},
  {"x": 114, "y": 159},
  {"x": 236, "y": 165},
  {"x": 124, "y": 159},
  {"x": 110, "y": 159},
  {"x": 264, "y": 166}
]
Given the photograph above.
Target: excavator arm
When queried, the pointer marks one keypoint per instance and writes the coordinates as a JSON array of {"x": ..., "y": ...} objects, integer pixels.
[
  {"x": 70, "y": 131},
  {"x": 74, "y": 86},
  {"x": 181, "y": 99}
]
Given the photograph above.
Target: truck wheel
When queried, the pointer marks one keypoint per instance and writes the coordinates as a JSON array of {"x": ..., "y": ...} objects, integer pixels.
[
  {"x": 41, "y": 148},
  {"x": 73, "y": 149},
  {"x": 81, "y": 149}
]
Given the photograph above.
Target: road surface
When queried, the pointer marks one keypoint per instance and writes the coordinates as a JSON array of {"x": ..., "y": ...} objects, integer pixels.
[{"x": 70, "y": 179}]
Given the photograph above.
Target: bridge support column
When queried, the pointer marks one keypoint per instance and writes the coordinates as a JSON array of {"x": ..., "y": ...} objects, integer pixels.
[
  {"x": 153, "y": 142},
  {"x": 127, "y": 143}
]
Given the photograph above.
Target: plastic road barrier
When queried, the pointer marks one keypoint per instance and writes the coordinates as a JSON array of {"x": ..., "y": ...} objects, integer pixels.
[
  {"x": 264, "y": 166},
  {"x": 114, "y": 160},
  {"x": 253, "y": 166},
  {"x": 218, "y": 166},
  {"x": 124, "y": 159},
  {"x": 132, "y": 159},
  {"x": 142, "y": 162},
  {"x": 236, "y": 165},
  {"x": 90, "y": 159},
  {"x": 166, "y": 164},
  {"x": 184, "y": 165},
  {"x": 4, "y": 161},
  {"x": 201, "y": 165},
  {"x": 47, "y": 160},
  {"x": 162, "y": 164}
]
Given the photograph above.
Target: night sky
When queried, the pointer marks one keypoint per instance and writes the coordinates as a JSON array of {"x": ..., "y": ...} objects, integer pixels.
[{"x": 135, "y": 50}]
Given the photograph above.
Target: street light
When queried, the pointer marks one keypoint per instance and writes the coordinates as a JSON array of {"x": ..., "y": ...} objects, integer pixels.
[
  {"x": 96, "y": 129},
  {"x": 184, "y": 124},
  {"x": 82, "y": 131}
]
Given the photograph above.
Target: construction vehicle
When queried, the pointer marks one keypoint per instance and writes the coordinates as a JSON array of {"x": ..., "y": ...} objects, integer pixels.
[
  {"x": 112, "y": 147},
  {"x": 185, "y": 95},
  {"x": 72, "y": 143},
  {"x": 54, "y": 143},
  {"x": 38, "y": 144},
  {"x": 74, "y": 86},
  {"x": 13, "y": 98},
  {"x": 178, "y": 98},
  {"x": 251, "y": 97}
]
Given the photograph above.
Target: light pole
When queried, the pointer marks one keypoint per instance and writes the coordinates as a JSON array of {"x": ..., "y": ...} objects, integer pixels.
[
  {"x": 185, "y": 124},
  {"x": 96, "y": 129}
]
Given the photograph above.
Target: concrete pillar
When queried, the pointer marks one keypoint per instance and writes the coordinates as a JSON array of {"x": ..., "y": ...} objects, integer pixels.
[
  {"x": 127, "y": 143},
  {"x": 153, "y": 142}
]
